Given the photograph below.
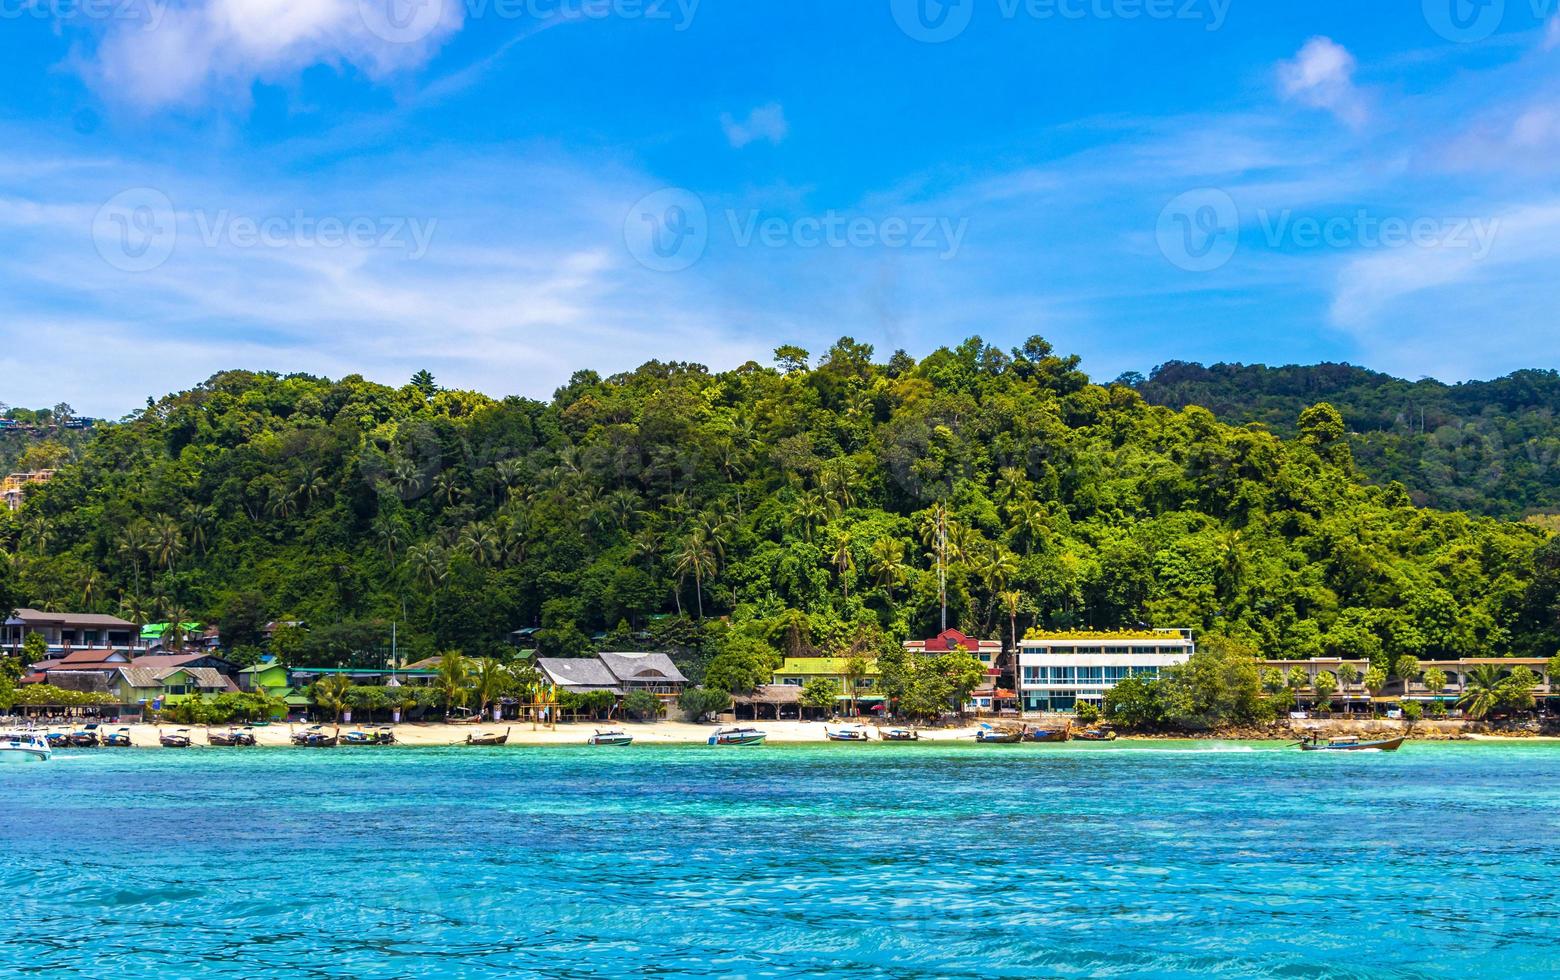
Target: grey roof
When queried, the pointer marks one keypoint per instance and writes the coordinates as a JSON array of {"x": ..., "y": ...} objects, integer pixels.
[
  {"x": 583, "y": 674},
  {"x": 31, "y": 617},
  {"x": 140, "y": 676},
  {"x": 643, "y": 668}
]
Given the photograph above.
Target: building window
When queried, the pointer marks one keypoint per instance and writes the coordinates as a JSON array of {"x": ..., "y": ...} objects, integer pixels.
[{"x": 1114, "y": 675}]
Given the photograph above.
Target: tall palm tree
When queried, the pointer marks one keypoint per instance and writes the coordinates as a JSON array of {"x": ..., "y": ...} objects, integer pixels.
[
  {"x": 168, "y": 541},
  {"x": 481, "y": 543},
  {"x": 132, "y": 546},
  {"x": 174, "y": 637},
  {"x": 428, "y": 564},
  {"x": 845, "y": 562},
  {"x": 887, "y": 564},
  {"x": 199, "y": 517},
  {"x": 697, "y": 558},
  {"x": 391, "y": 534}
]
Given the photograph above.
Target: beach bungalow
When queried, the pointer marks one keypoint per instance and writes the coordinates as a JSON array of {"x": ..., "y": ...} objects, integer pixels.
[
  {"x": 579, "y": 675},
  {"x": 800, "y": 671},
  {"x": 651, "y": 672},
  {"x": 775, "y": 701}
]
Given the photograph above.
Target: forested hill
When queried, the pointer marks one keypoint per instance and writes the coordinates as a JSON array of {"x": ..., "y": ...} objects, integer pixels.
[
  {"x": 1490, "y": 447},
  {"x": 764, "y": 508}
]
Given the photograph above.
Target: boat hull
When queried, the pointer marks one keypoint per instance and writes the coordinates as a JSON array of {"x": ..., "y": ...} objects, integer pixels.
[
  {"x": 744, "y": 737},
  {"x": 1384, "y": 745},
  {"x": 1048, "y": 736},
  {"x": 18, "y": 756}
]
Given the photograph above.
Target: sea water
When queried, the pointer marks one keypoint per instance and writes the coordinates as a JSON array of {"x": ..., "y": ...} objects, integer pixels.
[{"x": 902, "y": 861}]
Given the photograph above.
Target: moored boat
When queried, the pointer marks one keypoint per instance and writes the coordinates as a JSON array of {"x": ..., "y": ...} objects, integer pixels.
[
  {"x": 26, "y": 746},
  {"x": 312, "y": 732},
  {"x": 613, "y": 737},
  {"x": 382, "y": 736},
  {"x": 738, "y": 736},
  {"x": 1046, "y": 734},
  {"x": 900, "y": 735},
  {"x": 488, "y": 738},
  {"x": 57, "y": 740},
  {"x": 1350, "y": 743},
  {"x": 85, "y": 737},
  {"x": 117, "y": 740},
  {"x": 178, "y": 740},
  {"x": 1095, "y": 735},
  {"x": 999, "y": 736},
  {"x": 231, "y": 738},
  {"x": 847, "y": 733}
]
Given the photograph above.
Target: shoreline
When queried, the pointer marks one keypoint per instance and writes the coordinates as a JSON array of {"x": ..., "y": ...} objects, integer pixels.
[{"x": 437, "y": 735}]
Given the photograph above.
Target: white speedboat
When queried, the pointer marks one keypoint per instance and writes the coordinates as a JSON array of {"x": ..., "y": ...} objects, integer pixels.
[
  {"x": 24, "y": 747},
  {"x": 738, "y": 736}
]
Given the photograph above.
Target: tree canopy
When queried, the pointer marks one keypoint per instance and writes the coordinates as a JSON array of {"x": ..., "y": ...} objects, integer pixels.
[{"x": 735, "y": 516}]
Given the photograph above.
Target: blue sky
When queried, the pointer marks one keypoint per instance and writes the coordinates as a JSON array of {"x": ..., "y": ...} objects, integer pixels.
[{"x": 504, "y": 191}]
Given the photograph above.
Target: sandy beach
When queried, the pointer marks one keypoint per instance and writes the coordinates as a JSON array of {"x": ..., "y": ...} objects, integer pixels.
[{"x": 522, "y": 733}]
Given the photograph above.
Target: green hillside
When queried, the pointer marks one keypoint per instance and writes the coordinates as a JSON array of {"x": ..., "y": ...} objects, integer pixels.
[{"x": 792, "y": 506}]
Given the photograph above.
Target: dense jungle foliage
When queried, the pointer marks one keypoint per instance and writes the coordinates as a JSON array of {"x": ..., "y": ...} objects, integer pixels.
[
  {"x": 760, "y": 510},
  {"x": 1488, "y": 447}
]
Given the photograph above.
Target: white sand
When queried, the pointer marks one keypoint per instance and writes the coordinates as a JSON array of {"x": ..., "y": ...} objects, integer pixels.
[{"x": 522, "y": 733}]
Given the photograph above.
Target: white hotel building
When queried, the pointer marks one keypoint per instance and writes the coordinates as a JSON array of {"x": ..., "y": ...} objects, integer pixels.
[{"x": 1055, "y": 674}]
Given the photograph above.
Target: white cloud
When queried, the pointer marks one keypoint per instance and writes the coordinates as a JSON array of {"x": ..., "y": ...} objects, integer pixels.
[
  {"x": 204, "y": 49},
  {"x": 765, "y": 123},
  {"x": 1552, "y": 33},
  {"x": 1321, "y": 76}
]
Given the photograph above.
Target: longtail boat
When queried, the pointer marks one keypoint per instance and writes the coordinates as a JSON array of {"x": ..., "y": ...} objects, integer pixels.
[
  {"x": 232, "y": 738},
  {"x": 1095, "y": 735},
  {"x": 900, "y": 735},
  {"x": 999, "y": 736},
  {"x": 382, "y": 736},
  {"x": 849, "y": 733},
  {"x": 1047, "y": 734},
  {"x": 320, "y": 740},
  {"x": 303, "y": 737},
  {"x": 57, "y": 740},
  {"x": 488, "y": 739},
  {"x": 614, "y": 737},
  {"x": 738, "y": 736},
  {"x": 178, "y": 740},
  {"x": 117, "y": 740},
  {"x": 1350, "y": 744}
]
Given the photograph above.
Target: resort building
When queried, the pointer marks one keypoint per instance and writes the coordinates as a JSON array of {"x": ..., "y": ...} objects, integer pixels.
[
  {"x": 67, "y": 632},
  {"x": 986, "y": 696},
  {"x": 1347, "y": 696},
  {"x": 1057, "y": 670},
  {"x": 139, "y": 684},
  {"x": 615, "y": 673},
  {"x": 13, "y": 488}
]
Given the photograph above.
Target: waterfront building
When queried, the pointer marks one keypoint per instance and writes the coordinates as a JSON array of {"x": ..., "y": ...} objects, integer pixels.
[
  {"x": 69, "y": 632},
  {"x": 986, "y": 696},
  {"x": 1354, "y": 694},
  {"x": 1057, "y": 670},
  {"x": 800, "y": 671},
  {"x": 616, "y": 673}
]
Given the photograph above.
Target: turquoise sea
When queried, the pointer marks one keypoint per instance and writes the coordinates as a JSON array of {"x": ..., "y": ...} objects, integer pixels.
[{"x": 918, "y": 861}]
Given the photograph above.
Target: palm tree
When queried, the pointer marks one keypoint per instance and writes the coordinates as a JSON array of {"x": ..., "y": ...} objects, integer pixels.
[
  {"x": 808, "y": 513},
  {"x": 481, "y": 543},
  {"x": 428, "y": 564},
  {"x": 173, "y": 637},
  {"x": 845, "y": 562},
  {"x": 168, "y": 541},
  {"x": 391, "y": 534},
  {"x": 887, "y": 564},
  {"x": 1481, "y": 693},
  {"x": 697, "y": 557},
  {"x": 1347, "y": 675},
  {"x": 199, "y": 518},
  {"x": 1031, "y": 521},
  {"x": 446, "y": 485},
  {"x": 1407, "y": 668},
  {"x": 310, "y": 485},
  {"x": 132, "y": 546},
  {"x": 855, "y": 669},
  {"x": 492, "y": 681},
  {"x": 454, "y": 680},
  {"x": 331, "y": 694}
]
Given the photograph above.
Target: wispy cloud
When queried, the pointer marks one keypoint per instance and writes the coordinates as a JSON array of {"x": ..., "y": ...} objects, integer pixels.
[
  {"x": 1321, "y": 76},
  {"x": 764, "y": 124},
  {"x": 204, "y": 50}
]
